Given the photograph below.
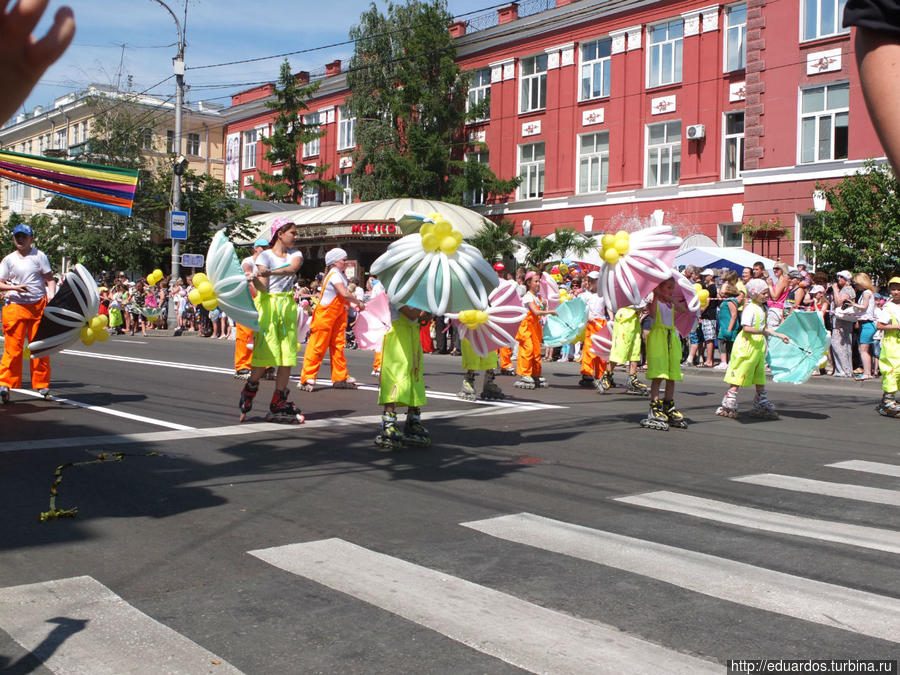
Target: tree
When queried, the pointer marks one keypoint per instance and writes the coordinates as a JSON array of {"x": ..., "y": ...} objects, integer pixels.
[
  {"x": 862, "y": 229},
  {"x": 409, "y": 97},
  {"x": 289, "y": 133},
  {"x": 562, "y": 242},
  {"x": 494, "y": 240}
]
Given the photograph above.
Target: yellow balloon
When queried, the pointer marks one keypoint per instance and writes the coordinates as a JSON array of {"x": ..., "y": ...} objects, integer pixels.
[
  {"x": 194, "y": 297},
  {"x": 607, "y": 241},
  {"x": 449, "y": 245},
  {"x": 481, "y": 316},
  {"x": 427, "y": 228},
  {"x": 431, "y": 241},
  {"x": 621, "y": 246},
  {"x": 101, "y": 335},
  {"x": 611, "y": 256},
  {"x": 621, "y": 234},
  {"x": 210, "y": 304},
  {"x": 456, "y": 234},
  {"x": 87, "y": 335},
  {"x": 96, "y": 323},
  {"x": 205, "y": 289},
  {"x": 199, "y": 278},
  {"x": 698, "y": 287},
  {"x": 442, "y": 228},
  {"x": 158, "y": 273}
]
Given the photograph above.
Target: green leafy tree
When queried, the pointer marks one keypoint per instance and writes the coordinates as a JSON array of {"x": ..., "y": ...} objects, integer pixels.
[
  {"x": 289, "y": 133},
  {"x": 494, "y": 240},
  {"x": 409, "y": 99},
  {"x": 563, "y": 241},
  {"x": 861, "y": 231}
]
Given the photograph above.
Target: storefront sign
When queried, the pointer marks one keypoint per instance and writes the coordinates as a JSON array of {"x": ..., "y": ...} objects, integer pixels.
[
  {"x": 373, "y": 228},
  {"x": 367, "y": 229}
]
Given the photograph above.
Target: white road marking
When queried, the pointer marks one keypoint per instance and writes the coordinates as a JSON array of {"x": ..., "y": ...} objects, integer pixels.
[
  {"x": 78, "y": 625},
  {"x": 816, "y": 601},
  {"x": 821, "y": 487},
  {"x": 868, "y": 467},
  {"x": 769, "y": 521},
  {"x": 107, "y": 411},
  {"x": 523, "y": 634}
]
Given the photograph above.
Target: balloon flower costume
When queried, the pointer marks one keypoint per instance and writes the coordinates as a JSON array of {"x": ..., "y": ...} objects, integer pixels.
[{"x": 429, "y": 271}]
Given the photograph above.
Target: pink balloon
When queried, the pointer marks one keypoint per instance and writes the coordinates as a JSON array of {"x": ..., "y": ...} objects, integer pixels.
[
  {"x": 550, "y": 291},
  {"x": 372, "y": 323}
]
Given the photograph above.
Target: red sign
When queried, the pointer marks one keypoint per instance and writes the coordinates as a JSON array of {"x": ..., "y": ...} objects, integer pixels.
[{"x": 373, "y": 228}]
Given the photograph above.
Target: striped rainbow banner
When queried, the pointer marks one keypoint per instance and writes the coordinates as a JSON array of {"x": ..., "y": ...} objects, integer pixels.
[{"x": 106, "y": 187}]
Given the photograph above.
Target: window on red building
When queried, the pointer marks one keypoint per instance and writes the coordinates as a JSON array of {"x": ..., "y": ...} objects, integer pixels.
[
  {"x": 593, "y": 162},
  {"x": 595, "y": 67},
  {"x": 664, "y": 60},
  {"x": 346, "y": 194},
  {"x": 824, "y": 123},
  {"x": 533, "y": 78},
  {"x": 733, "y": 145},
  {"x": 312, "y": 148},
  {"x": 531, "y": 171},
  {"x": 663, "y": 153},
  {"x": 476, "y": 197},
  {"x": 480, "y": 90},
  {"x": 310, "y": 196},
  {"x": 735, "y": 37},
  {"x": 346, "y": 129},
  {"x": 249, "y": 156},
  {"x": 822, "y": 18}
]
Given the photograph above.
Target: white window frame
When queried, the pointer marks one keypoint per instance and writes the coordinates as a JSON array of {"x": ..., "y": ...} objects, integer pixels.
[
  {"x": 676, "y": 45},
  {"x": 819, "y": 115},
  {"x": 310, "y": 196},
  {"x": 170, "y": 141},
  {"x": 532, "y": 170},
  {"x": 663, "y": 155},
  {"x": 343, "y": 179},
  {"x": 479, "y": 91},
  {"x": 601, "y": 63},
  {"x": 800, "y": 242},
  {"x": 740, "y": 30},
  {"x": 722, "y": 234},
  {"x": 346, "y": 129},
  {"x": 535, "y": 83},
  {"x": 192, "y": 144},
  {"x": 249, "y": 142},
  {"x": 837, "y": 9},
  {"x": 473, "y": 197},
  {"x": 737, "y": 139},
  {"x": 61, "y": 140},
  {"x": 313, "y": 147},
  {"x": 596, "y": 163}
]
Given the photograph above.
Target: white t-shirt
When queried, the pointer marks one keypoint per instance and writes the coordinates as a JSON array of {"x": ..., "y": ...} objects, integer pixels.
[
  {"x": 890, "y": 313},
  {"x": 596, "y": 304},
  {"x": 329, "y": 293},
  {"x": 250, "y": 261},
  {"x": 26, "y": 270},
  {"x": 279, "y": 283},
  {"x": 868, "y": 302},
  {"x": 753, "y": 316}
]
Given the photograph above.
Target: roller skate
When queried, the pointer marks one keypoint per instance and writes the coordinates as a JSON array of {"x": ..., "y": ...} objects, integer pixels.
[
  {"x": 390, "y": 437},
  {"x": 888, "y": 406},
  {"x": 729, "y": 407},
  {"x": 242, "y": 374},
  {"x": 525, "y": 382},
  {"x": 676, "y": 419},
  {"x": 309, "y": 385},
  {"x": 507, "y": 371},
  {"x": 490, "y": 391},
  {"x": 763, "y": 407},
  {"x": 587, "y": 381},
  {"x": 376, "y": 372},
  {"x": 656, "y": 418},
  {"x": 270, "y": 373},
  {"x": 45, "y": 392},
  {"x": 413, "y": 432},
  {"x": 349, "y": 383},
  {"x": 467, "y": 390},
  {"x": 282, "y": 411},
  {"x": 636, "y": 388},
  {"x": 540, "y": 383},
  {"x": 4, "y": 395},
  {"x": 605, "y": 383},
  {"x": 248, "y": 393}
]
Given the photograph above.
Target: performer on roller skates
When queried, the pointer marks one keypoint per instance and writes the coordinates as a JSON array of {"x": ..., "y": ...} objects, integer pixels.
[
  {"x": 328, "y": 330},
  {"x": 626, "y": 349},
  {"x": 530, "y": 335},
  {"x": 747, "y": 365},
  {"x": 888, "y": 320},
  {"x": 243, "y": 343},
  {"x": 593, "y": 368},
  {"x": 664, "y": 359},
  {"x": 276, "y": 343},
  {"x": 402, "y": 380},
  {"x": 472, "y": 363}
]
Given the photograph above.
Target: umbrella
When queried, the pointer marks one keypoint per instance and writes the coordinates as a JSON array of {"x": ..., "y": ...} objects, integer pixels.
[
  {"x": 496, "y": 325},
  {"x": 570, "y": 320},
  {"x": 795, "y": 361},
  {"x": 373, "y": 322},
  {"x": 549, "y": 291},
  {"x": 229, "y": 282},
  {"x": 601, "y": 341},
  {"x": 635, "y": 263},
  {"x": 152, "y": 313},
  {"x": 435, "y": 270},
  {"x": 685, "y": 322},
  {"x": 74, "y": 305}
]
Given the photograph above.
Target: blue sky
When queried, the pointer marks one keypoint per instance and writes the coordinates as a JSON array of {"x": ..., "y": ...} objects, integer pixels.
[{"x": 218, "y": 31}]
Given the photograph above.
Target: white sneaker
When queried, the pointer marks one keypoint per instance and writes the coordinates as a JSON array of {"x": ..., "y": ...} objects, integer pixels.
[{"x": 720, "y": 366}]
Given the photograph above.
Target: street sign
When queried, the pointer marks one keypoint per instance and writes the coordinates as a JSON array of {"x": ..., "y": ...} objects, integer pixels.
[
  {"x": 192, "y": 260},
  {"x": 178, "y": 225}
]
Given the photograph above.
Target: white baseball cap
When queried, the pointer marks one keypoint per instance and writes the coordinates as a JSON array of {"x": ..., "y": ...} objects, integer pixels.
[
  {"x": 707, "y": 273},
  {"x": 593, "y": 274}
]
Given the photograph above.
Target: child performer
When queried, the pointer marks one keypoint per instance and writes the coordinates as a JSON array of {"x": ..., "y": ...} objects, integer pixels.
[
  {"x": 243, "y": 342},
  {"x": 626, "y": 349},
  {"x": 664, "y": 358},
  {"x": 592, "y": 367},
  {"x": 276, "y": 343},
  {"x": 402, "y": 380},
  {"x": 328, "y": 330},
  {"x": 747, "y": 365},
  {"x": 888, "y": 320},
  {"x": 472, "y": 363},
  {"x": 530, "y": 335},
  {"x": 505, "y": 361}
]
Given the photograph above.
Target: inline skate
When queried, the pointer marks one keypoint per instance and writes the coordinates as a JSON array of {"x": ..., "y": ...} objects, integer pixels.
[
  {"x": 248, "y": 393},
  {"x": 390, "y": 437},
  {"x": 675, "y": 417},
  {"x": 888, "y": 406},
  {"x": 467, "y": 390},
  {"x": 656, "y": 418},
  {"x": 525, "y": 382},
  {"x": 729, "y": 407},
  {"x": 282, "y": 411},
  {"x": 414, "y": 433},
  {"x": 490, "y": 391},
  {"x": 636, "y": 388},
  {"x": 763, "y": 407}
]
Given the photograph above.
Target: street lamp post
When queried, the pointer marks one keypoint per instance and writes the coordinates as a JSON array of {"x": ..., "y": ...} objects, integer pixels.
[{"x": 820, "y": 203}]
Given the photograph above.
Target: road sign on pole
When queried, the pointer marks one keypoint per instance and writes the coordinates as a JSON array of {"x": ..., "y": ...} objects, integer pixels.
[
  {"x": 192, "y": 260},
  {"x": 178, "y": 225}
]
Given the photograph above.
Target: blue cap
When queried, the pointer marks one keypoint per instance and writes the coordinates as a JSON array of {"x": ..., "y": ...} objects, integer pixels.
[
  {"x": 262, "y": 241},
  {"x": 22, "y": 228}
]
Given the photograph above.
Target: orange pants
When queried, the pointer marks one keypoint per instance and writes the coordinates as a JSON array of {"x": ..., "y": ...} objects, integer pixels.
[
  {"x": 376, "y": 364},
  {"x": 529, "y": 337},
  {"x": 328, "y": 331},
  {"x": 243, "y": 349},
  {"x": 20, "y": 323},
  {"x": 505, "y": 358},
  {"x": 592, "y": 366}
]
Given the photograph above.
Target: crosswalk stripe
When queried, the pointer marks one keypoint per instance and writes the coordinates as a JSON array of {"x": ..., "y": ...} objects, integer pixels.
[
  {"x": 798, "y": 597},
  {"x": 79, "y": 625},
  {"x": 868, "y": 467},
  {"x": 821, "y": 487},
  {"x": 770, "y": 521},
  {"x": 518, "y": 632}
]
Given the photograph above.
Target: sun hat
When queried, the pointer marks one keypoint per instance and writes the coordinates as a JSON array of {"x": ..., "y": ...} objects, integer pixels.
[
  {"x": 593, "y": 274},
  {"x": 794, "y": 274},
  {"x": 845, "y": 274},
  {"x": 277, "y": 224},
  {"x": 707, "y": 273},
  {"x": 499, "y": 267},
  {"x": 531, "y": 275},
  {"x": 262, "y": 241},
  {"x": 22, "y": 228},
  {"x": 335, "y": 255},
  {"x": 894, "y": 280},
  {"x": 817, "y": 289}
]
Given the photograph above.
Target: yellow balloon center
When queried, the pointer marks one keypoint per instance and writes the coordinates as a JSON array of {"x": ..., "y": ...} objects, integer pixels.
[
  {"x": 614, "y": 246},
  {"x": 440, "y": 235},
  {"x": 472, "y": 318}
]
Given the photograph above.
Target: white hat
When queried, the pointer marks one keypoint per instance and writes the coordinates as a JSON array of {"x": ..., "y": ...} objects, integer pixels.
[
  {"x": 335, "y": 255},
  {"x": 845, "y": 274},
  {"x": 707, "y": 273},
  {"x": 593, "y": 274}
]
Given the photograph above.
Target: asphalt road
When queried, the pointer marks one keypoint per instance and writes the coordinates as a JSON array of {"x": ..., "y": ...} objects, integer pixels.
[{"x": 546, "y": 533}]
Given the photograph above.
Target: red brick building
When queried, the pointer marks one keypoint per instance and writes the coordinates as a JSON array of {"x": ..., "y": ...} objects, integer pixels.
[{"x": 614, "y": 109}]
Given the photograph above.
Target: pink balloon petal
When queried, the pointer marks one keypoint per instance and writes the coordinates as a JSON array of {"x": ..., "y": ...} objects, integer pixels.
[
  {"x": 601, "y": 341},
  {"x": 373, "y": 322}
]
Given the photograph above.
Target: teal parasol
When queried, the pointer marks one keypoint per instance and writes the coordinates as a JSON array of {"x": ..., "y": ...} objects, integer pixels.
[
  {"x": 795, "y": 361},
  {"x": 571, "y": 318}
]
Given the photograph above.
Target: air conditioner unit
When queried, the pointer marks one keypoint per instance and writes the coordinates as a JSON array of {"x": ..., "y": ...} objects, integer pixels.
[
  {"x": 695, "y": 131},
  {"x": 248, "y": 180}
]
